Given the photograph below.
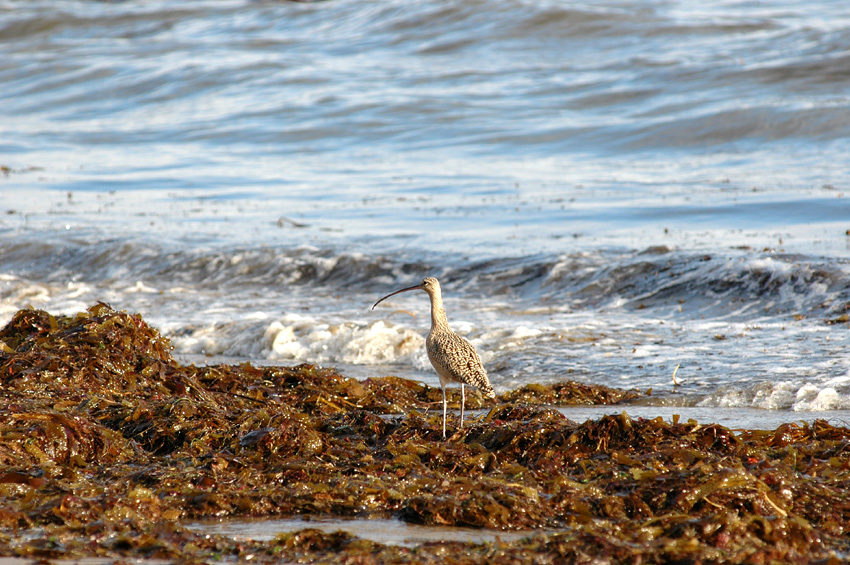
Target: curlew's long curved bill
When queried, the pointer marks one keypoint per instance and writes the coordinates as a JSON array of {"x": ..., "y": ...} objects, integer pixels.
[{"x": 417, "y": 287}]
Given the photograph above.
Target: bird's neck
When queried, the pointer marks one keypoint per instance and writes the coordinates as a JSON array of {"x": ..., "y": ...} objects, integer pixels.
[{"x": 439, "y": 322}]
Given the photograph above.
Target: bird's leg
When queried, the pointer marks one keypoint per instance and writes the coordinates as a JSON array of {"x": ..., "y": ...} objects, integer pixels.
[
  {"x": 462, "y": 402},
  {"x": 444, "y": 411}
]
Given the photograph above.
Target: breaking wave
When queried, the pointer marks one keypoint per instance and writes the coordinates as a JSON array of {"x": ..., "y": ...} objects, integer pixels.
[{"x": 738, "y": 284}]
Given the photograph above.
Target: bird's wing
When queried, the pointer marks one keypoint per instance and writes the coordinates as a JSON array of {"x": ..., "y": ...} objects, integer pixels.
[{"x": 460, "y": 360}]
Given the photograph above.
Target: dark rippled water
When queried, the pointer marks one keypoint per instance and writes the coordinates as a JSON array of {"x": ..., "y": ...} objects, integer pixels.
[{"x": 609, "y": 192}]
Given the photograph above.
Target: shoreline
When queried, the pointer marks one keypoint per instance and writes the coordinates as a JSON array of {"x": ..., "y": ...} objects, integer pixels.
[{"x": 110, "y": 446}]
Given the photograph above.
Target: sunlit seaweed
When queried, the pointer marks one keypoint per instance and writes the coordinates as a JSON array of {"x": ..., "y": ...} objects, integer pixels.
[{"x": 107, "y": 443}]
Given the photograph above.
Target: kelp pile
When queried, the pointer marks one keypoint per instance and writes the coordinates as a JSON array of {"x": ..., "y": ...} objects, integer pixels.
[{"x": 107, "y": 445}]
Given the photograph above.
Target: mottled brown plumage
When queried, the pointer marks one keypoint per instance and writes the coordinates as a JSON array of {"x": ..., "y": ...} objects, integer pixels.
[{"x": 454, "y": 358}]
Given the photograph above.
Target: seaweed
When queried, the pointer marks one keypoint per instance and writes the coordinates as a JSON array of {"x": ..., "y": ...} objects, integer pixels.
[
  {"x": 108, "y": 444},
  {"x": 568, "y": 393}
]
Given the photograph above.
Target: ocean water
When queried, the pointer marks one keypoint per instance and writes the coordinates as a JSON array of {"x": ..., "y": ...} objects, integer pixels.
[
  {"x": 611, "y": 192},
  {"x": 386, "y": 531}
]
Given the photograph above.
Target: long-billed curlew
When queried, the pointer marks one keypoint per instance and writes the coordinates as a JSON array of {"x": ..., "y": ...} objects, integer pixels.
[{"x": 454, "y": 358}]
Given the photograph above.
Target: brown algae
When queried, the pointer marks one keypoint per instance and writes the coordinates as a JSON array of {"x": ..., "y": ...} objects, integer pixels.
[{"x": 107, "y": 445}]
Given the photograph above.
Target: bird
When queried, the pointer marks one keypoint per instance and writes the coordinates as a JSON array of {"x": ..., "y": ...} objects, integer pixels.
[{"x": 454, "y": 358}]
